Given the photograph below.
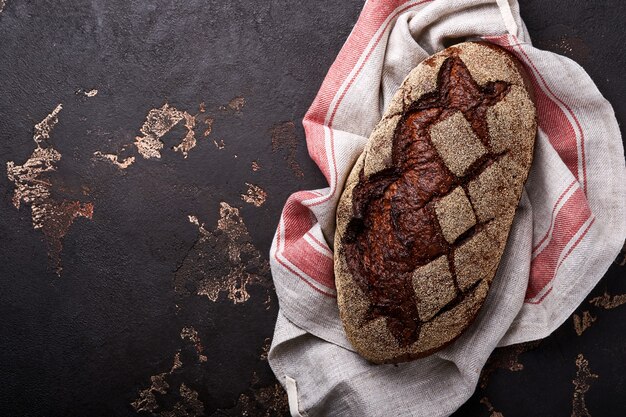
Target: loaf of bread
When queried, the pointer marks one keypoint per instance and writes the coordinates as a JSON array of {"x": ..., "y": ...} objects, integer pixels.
[{"x": 426, "y": 210}]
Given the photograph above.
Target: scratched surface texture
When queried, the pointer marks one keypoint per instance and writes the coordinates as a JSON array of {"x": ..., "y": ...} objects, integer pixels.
[{"x": 146, "y": 150}]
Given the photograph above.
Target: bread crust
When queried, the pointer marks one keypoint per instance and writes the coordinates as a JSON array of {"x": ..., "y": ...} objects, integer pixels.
[{"x": 483, "y": 157}]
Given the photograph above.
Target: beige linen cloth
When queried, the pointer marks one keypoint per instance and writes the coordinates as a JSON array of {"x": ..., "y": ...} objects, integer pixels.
[{"x": 569, "y": 226}]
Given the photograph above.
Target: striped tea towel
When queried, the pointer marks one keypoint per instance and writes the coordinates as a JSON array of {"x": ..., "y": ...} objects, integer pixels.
[{"x": 569, "y": 226}]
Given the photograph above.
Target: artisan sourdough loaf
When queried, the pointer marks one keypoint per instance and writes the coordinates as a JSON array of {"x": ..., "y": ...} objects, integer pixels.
[{"x": 426, "y": 210}]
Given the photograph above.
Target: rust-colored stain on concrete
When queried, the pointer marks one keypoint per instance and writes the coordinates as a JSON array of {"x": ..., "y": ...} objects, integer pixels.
[
  {"x": 608, "y": 302},
  {"x": 222, "y": 260},
  {"x": 114, "y": 159},
  {"x": 506, "y": 358},
  {"x": 582, "y": 323},
  {"x": 255, "y": 195},
  {"x": 33, "y": 188},
  {"x": 490, "y": 408},
  {"x": 191, "y": 334},
  {"x": 284, "y": 138},
  {"x": 582, "y": 384}
]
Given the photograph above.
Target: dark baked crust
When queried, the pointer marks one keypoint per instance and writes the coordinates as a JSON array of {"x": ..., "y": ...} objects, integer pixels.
[{"x": 427, "y": 208}]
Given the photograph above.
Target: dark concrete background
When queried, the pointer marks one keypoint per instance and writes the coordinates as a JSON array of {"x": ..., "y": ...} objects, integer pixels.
[{"x": 104, "y": 337}]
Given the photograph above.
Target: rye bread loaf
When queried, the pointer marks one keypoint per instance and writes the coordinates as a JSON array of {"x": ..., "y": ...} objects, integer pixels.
[{"x": 426, "y": 210}]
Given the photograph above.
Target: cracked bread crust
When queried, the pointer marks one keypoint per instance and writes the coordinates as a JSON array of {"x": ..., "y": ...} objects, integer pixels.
[{"x": 427, "y": 208}]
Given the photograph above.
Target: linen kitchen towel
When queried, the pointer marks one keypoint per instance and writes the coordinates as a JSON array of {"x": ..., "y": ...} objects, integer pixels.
[{"x": 569, "y": 226}]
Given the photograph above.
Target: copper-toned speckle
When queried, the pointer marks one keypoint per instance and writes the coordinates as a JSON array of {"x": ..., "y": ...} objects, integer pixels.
[
  {"x": 223, "y": 260},
  {"x": 582, "y": 384},
  {"x": 284, "y": 138},
  {"x": 56, "y": 218},
  {"x": 219, "y": 144},
  {"x": 255, "y": 195},
  {"x": 607, "y": 301},
  {"x": 158, "y": 383},
  {"x": 236, "y": 104},
  {"x": 147, "y": 401},
  {"x": 191, "y": 334},
  {"x": 506, "y": 358},
  {"x": 266, "y": 402},
  {"x": 255, "y": 166},
  {"x": 231, "y": 223},
  {"x": 158, "y": 123},
  {"x": 189, "y": 141},
  {"x": 188, "y": 406},
  {"x": 490, "y": 408},
  {"x": 209, "y": 126},
  {"x": 177, "y": 362},
  {"x": 44, "y": 128},
  {"x": 114, "y": 159},
  {"x": 2, "y": 4},
  {"x": 571, "y": 47},
  {"x": 202, "y": 107},
  {"x": 265, "y": 350},
  {"x": 194, "y": 220},
  {"x": 235, "y": 283},
  {"x": 188, "y": 403},
  {"x": 89, "y": 93},
  {"x": 583, "y": 323},
  {"x": 33, "y": 187}
]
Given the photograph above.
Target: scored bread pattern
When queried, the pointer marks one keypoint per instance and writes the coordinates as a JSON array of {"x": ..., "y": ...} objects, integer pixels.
[{"x": 426, "y": 235}]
